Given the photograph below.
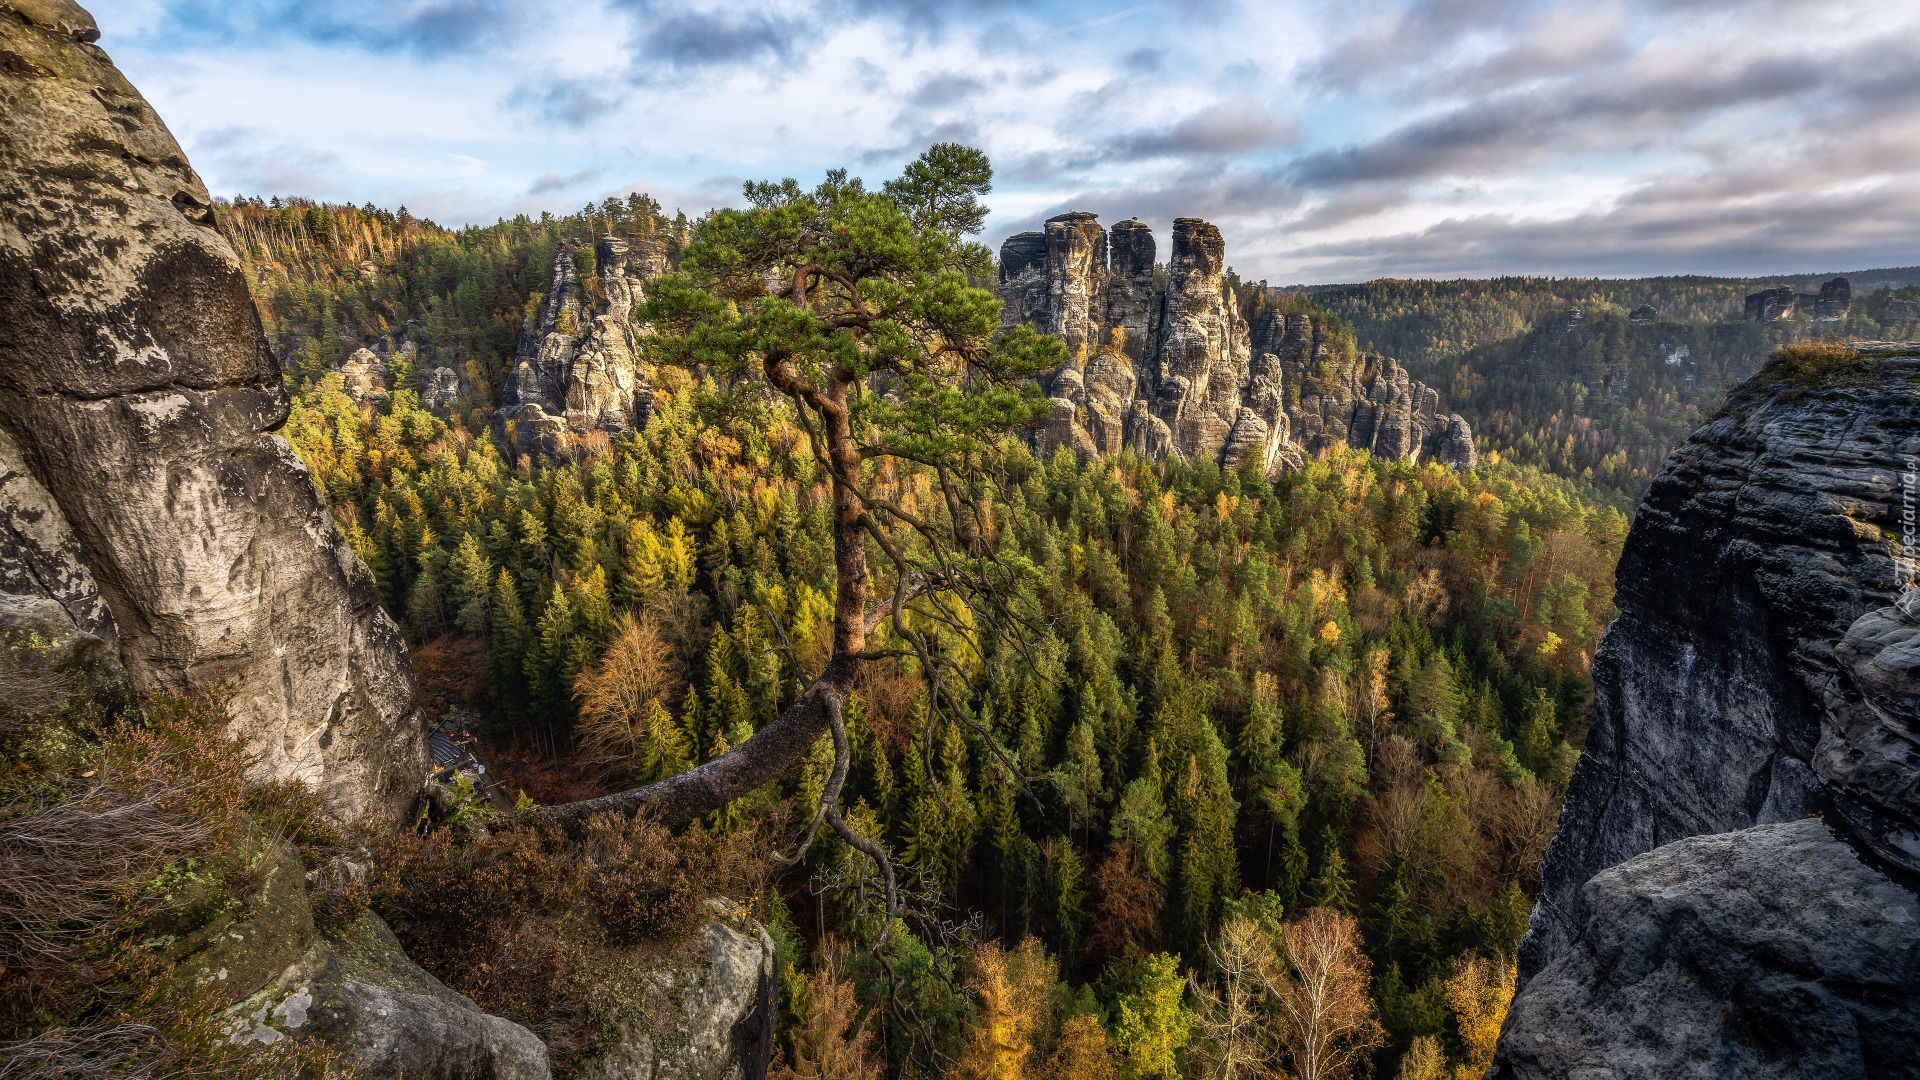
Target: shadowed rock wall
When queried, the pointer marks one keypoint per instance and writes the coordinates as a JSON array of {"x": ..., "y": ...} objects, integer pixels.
[{"x": 1765, "y": 667}]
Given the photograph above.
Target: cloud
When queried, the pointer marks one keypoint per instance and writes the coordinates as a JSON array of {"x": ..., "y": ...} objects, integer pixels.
[
  {"x": 250, "y": 159},
  {"x": 696, "y": 40},
  {"x": 574, "y": 102},
  {"x": 1237, "y": 124},
  {"x": 429, "y": 28},
  {"x": 1325, "y": 139},
  {"x": 946, "y": 88},
  {"x": 550, "y": 182}
]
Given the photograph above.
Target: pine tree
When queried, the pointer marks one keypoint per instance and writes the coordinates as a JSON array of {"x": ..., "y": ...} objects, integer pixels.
[
  {"x": 1331, "y": 887},
  {"x": 469, "y": 583},
  {"x": 548, "y": 659},
  {"x": 506, "y": 649}
]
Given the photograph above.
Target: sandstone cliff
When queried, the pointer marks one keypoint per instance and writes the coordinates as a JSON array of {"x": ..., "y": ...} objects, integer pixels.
[
  {"x": 578, "y": 366},
  {"x": 1176, "y": 369},
  {"x": 1761, "y": 670},
  {"x": 144, "y": 492}
]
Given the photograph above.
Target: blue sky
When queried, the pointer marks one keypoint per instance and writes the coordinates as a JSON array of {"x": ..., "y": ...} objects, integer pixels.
[{"x": 1330, "y": 141}]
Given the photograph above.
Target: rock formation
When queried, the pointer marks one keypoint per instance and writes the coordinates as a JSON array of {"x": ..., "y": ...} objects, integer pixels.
[
  {"x": 1761, "y": 670},
  {"x": 1176, "y": 369},
  {"x": 363, "y": 377},
  {"x": 1832, "y": 302},
  {"x": 1644, "y": 315},
  {"x": 149, "y": 497},
  {"x": 711, "y": 1017},
  {"x": 578, "y": 367},
  {"x": 1769, "y": 952},
  {"x": 352, "y": 988}
]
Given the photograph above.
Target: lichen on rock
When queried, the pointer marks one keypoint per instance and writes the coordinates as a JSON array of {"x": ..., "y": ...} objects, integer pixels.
[{"x": 141, "y": 401}]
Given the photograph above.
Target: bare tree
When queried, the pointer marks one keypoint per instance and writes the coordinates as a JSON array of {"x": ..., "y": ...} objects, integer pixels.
[
  {"x": 1232, "y": 1038},
  {"x": 1328, "y": 1023},
  {"x": 616, "y": 695}
]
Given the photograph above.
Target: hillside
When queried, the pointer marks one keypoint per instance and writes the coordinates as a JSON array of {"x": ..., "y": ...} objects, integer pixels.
[{"x": 1602, "y": 400}]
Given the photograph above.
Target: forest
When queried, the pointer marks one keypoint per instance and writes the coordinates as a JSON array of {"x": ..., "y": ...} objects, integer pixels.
[{"x": 1259, "y": 782}]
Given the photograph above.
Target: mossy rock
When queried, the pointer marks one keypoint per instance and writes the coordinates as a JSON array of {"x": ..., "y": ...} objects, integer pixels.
[
  {"x": 249, "y": 939},
  {"x": 355, "y": 990}
]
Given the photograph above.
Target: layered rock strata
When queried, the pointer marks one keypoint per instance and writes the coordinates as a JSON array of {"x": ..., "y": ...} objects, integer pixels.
[
  {"x": 578, "y": 366},
  {"x": 147, "y": 494},
  {"x": 1765, "y": 667},
  {"x": 1175, "y": 369}
]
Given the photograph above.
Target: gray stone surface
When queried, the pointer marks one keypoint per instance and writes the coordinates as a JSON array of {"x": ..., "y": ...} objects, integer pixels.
[
  {"x": 1176, "y": 369},
  {"x": 705, "y": 1021},
  {"x": 578, "y": 368},
  {"x": 1771, "y": 952},
  {"x": 356, "y": 990},
  {"x": 136, "y": 385},
  {"x": 1762, "y": 542}
]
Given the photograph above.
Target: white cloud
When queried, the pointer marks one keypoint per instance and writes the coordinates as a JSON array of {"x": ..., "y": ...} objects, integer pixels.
[{"x": 1327, "y": 140}]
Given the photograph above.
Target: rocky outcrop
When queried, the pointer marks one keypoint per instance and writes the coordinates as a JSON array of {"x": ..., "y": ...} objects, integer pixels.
[
  {"x": 709, "y": 1019},
  {"x": 363, "y": 377},
  {"x": 147, "y": 495},
  {"x": 1831, "y": 303},
  {"x": 355, "y": 990},
  {"x": 578, "y": 367},
  {"x": 1772, "y": 952},
  {"x": 1177, "y": 370},
  {"x": 1761, "y": 670}
]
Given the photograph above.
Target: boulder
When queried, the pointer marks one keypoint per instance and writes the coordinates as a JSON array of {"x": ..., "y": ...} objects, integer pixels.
[
  {"x": 141, "y": 399},
  {"x": 710, "y": 1019},
  {"x": 1770, "y": 952},
  {"x": 354, "y": 989}
]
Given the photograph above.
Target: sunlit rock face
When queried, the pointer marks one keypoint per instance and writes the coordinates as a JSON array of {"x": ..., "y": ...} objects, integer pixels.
[
  {"x": 139, "y": 405},
  {"x": 1173, "y": 368},
  {"x": 578, "y": 367}
]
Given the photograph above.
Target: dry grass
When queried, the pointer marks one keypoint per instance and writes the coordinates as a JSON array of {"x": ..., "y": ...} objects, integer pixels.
[
  {"x": 90, "y": 860},
  {"x": 1809, "y": 363}
]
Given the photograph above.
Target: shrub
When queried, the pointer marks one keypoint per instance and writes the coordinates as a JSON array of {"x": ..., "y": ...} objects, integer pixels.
[
  {"x": 543, "y": 928},
  {"x": 1809, "y": 363},
  {"x": 151, "y": 828}
]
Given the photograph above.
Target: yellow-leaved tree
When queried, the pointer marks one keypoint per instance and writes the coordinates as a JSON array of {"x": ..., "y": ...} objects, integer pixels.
[{"x": 1478, "y": 994}]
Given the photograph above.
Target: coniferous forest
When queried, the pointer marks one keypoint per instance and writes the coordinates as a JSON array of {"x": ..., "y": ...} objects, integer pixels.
[{"x": 1217, "y": 774}]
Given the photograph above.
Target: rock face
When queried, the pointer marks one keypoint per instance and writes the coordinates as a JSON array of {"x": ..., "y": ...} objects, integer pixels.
[
  {"x": 1176, "y": 369},
  {"x": 363, "y": 377},
  {"x": 578, "y": 368},
  {"x": 1761, "y": 542},
  {"x": 1830, "y": 303},
  {"x": 1772, "y": 952},
  {"x": 146, "y": 493},
  {"x": 705, "y": 1021},
  {"x": 1762, "y": 668}
]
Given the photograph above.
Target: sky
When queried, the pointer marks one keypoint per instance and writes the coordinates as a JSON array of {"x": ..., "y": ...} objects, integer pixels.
[{"x": 1330, "y": 141}]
